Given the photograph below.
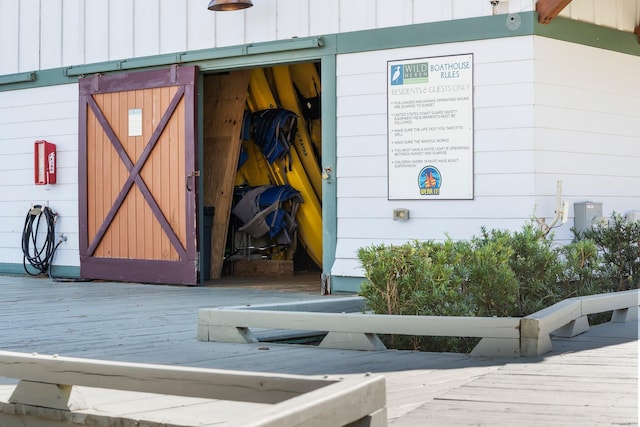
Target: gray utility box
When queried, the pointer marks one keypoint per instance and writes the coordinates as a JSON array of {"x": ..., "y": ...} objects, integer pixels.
[{"x": 585, "y": 214}]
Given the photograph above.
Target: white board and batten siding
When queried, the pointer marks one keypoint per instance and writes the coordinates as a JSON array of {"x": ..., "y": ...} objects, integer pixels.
[
  {"x": 40, "y": 35},
  {"x": 28, "y": 115},
  {"x": 504, "y": 160},
  {"x": 587, "y": 133},
  {"x": 544, "y": 111},
  {"x": 43, "y": 34}
]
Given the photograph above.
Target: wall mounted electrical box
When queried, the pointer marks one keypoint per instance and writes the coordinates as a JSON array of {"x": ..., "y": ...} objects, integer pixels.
[
  {"x": 586, "y": 214},
  {"x": 633, "y": 216},
  {"x": 401, "y": 214}
]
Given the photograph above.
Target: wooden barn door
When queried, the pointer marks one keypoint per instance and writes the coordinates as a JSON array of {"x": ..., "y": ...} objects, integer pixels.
[{"x": 137, "y": 176}]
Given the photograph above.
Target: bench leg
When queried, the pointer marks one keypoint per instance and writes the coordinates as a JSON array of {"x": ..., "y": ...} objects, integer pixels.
[
  {"x": 225, "y": 334},
  {"x": 625, "y": 315},
  {"x": 352, "y": 341},
  {"x": 573, "y": 328},
  {"x": 376, "y": 419},
  {"x": 497, "y": 347},
  {"x": 55, "y": 396}
]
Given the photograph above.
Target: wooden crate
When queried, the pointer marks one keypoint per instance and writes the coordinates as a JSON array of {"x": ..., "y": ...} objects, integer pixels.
[{"x": 262, "y": 268}]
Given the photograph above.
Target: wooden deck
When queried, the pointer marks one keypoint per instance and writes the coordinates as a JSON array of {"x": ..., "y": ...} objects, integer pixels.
[{"x": 588, "y": 380}]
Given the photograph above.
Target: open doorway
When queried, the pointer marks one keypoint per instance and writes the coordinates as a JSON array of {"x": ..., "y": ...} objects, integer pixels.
[{"x": 261, "y": 174}]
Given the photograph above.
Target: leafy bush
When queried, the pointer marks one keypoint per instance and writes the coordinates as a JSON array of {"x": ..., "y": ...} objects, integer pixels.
[
  {"x": 498, "y": 273},
  {"x": 438, "y": 279},
  {"x": 583, "y": 272},
  {"x": 492, "y": 285},
  {"x": 619, "y": 242},
  {"x": 417, "y": 278},
  {"x": 534, "y": 264}
]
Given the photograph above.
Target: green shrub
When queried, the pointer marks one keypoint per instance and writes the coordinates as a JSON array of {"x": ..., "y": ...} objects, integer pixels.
[
  {"x": 492, "y": 284},
  {"x": 498, "y": 273},
  {"x": 423, "y": 278},
  {"x": 438, "y": 279},
  {"x": 619, "y": 243},
  {"x": 534, "y": 263},
  {"x": 583, "y": 272},
  {"x": 417, "y": 278}
]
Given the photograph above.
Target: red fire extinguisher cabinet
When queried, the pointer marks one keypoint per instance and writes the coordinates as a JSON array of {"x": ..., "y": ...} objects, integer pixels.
[{"x": 44, "y": 162}]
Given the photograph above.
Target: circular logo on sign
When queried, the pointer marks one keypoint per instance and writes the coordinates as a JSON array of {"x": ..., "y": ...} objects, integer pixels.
[{"x": 429, "y": 181}]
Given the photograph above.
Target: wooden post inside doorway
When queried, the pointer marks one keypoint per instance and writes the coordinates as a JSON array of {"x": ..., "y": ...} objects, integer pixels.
[{"x": 223, "y": 108}]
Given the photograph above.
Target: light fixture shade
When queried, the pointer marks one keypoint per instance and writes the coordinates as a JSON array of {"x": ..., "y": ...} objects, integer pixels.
[{"x": 224, "y": 5}]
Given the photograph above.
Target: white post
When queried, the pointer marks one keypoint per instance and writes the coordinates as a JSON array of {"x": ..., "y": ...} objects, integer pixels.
[
  {"x": 352, "y": 341},
  {"x": 45, "y": 395},
  {"x": 573, "y": 328},
  {"x": 625, "y": 315}
]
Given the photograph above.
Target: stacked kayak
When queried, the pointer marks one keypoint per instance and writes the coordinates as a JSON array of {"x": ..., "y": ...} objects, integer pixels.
[{"x": 279, "y": 151}]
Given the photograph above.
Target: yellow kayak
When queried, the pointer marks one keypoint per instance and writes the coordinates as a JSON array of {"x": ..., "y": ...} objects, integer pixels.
[
  {"x": 307, "y": 81},
  {"x": 309, "y": 214},
  {"x": 288, "y": 99},
  {"x": 255, "y": 170}
]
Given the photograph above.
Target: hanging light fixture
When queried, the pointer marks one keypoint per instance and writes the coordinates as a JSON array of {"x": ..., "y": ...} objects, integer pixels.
[{"x": 224, "y": 5}]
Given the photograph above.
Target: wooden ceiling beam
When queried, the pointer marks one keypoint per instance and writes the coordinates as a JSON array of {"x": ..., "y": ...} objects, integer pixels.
[{"x": 549, "y": 9}]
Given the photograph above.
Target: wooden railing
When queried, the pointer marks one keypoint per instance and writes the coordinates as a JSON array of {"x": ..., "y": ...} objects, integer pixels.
[
  {"x": 568, "y": 318},
  {"x": 357, "y": 330},
  {"x": 510, "y": 336},
  {"x": 49, "y": 382}
]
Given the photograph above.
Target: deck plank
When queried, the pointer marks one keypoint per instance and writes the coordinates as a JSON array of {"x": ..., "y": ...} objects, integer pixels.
[{"x": 588, "y": 380}]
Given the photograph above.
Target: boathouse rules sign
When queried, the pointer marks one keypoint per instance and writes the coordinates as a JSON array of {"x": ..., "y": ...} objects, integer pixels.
[{"x": 430, "y": 128}]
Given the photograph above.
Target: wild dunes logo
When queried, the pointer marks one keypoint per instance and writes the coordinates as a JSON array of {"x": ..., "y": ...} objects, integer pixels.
[
  {"x": 429, "y": 181},
  {"x": 407, "y": 74}
]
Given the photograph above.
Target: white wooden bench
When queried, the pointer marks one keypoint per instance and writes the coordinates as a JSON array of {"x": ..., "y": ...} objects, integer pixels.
[
  {"x": 500, "y": 337},
  {"x": 568, "y": 318},
  {"x": 332, "y": 304},
  {"x": 48, "y": 394},
  {"x": 358, "y": 331}
]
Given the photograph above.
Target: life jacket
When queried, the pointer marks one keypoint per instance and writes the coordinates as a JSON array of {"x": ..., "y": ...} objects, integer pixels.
[
  {"x": 260, "y": 209},
  {"x": 273, "y": 130}
]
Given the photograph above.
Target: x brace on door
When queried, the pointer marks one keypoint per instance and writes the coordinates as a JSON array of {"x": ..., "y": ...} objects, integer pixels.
[{"x": 134, "y": 174}]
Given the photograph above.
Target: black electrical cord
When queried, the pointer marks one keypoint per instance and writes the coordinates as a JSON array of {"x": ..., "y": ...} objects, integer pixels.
[
  {"x": 39, "y": 254},
  {"x": 41, "y": 257}
]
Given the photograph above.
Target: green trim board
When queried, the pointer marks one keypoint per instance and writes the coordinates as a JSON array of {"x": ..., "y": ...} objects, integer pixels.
[
  {"x": 311, "y": 48},
  {"x": 277, "y": 55},
  {"x": 96, "y": 67},
  {"x": 61, "y": 271},
  {"x": 488, "y": 27},
  {"x": 345, "y": 284},
  {"x": 460, "y": 30},
  {"x": 199, "y": 55},
  {"x": 206, "y": 59},
  {"x": 39, "y": 78},
  {"x": 583, "y": 33},
  {"x": 329, "y": 160},
  {"x": 13, "y": 269},
  {"x": 17, "y": 78}
]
